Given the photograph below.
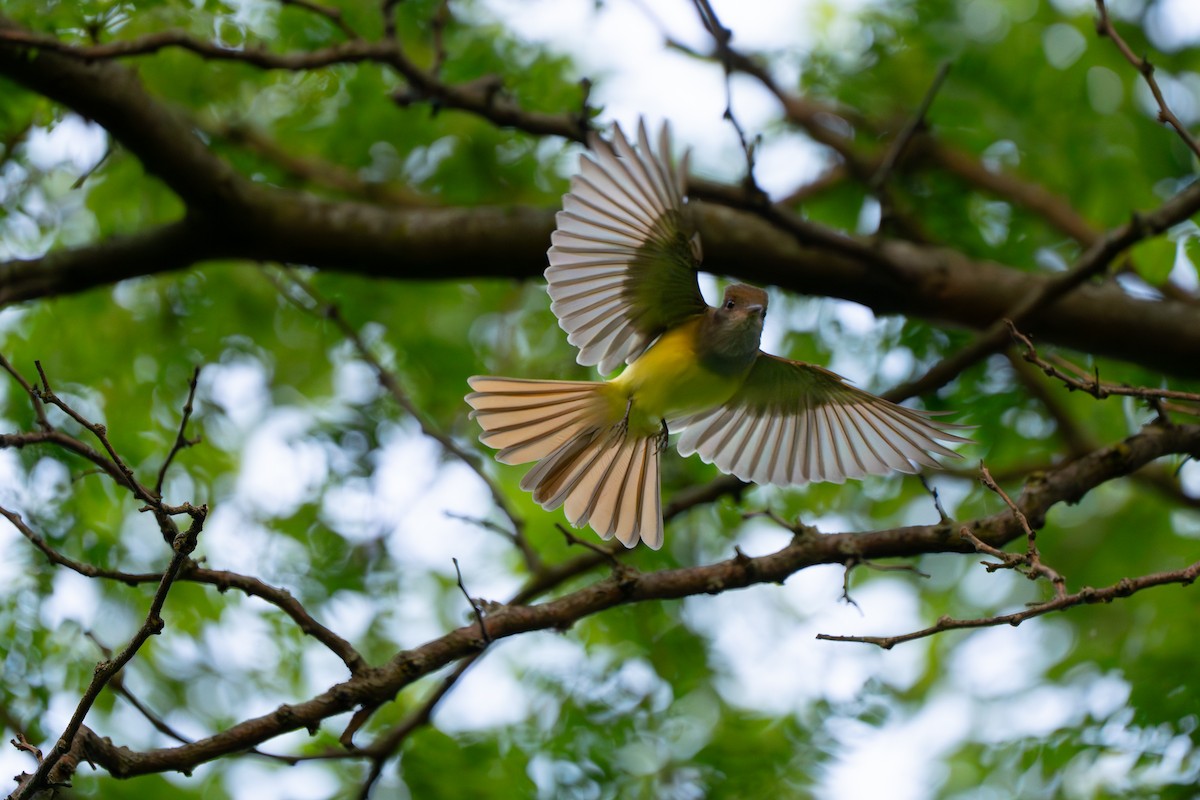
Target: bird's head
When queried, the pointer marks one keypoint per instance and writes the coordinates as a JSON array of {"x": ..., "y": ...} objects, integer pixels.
[
  {"x": 743, "y": 306},
  {"x": 736, "y": 325}
]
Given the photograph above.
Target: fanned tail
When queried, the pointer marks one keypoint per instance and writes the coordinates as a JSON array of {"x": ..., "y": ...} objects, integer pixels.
[{"x": 587, "y": 461}]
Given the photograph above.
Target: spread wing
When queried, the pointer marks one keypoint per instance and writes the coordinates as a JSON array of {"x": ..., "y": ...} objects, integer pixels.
[
  {"x": 794, "y": 423},
  {"x": 624, "y": 258}
]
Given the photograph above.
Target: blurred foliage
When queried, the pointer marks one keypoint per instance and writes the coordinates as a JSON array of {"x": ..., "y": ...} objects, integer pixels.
[{"x": 320, "y": 484}]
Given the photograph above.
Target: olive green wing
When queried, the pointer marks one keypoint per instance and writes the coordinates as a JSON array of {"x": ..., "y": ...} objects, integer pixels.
[
  {"x": 624, "y": 256},
  {"x": 794, "y": 423}
]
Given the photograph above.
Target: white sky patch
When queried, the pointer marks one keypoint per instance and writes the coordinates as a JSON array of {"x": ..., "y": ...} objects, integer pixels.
[
  {"x": 75, "y": 598},
  {"x": 897, "y": 365},
  {"x": 898, "y": 760},
  {"x": 242, "y": 640},
  {"x": 312, "y": 781},
  {"x": 997, "y": 662},
  {"x": 1035, "y": 712},
  {"x": 757, "y": 631},
  {"x": 1106, "y": 694},
  {"x": 421, "y": 497},
  {"x": 490, "y": 695},
  {"x": 620, "y": 46},
  {"x": 988, "y": 590},
  {"x": 281, "y": 468},
  {"x": 1174, "y": 24},
  {"x": 11, "y": 477},
  {"x": 72, "y": 141},
  {"x": 349, "y": 613},
  {"x": 233, "y": 542},
  {"x": 1189, "y": 477},
  {"x": 322, "y": 668},
  {"x": 238, "y": 387},
  {"x": 409, "y": 618},
  {"x": 13, "y": 556},
  {"x": 14, "y": 762},
  {"x": 1183, "y": 272},
  {"x": 354, "y": 382}
]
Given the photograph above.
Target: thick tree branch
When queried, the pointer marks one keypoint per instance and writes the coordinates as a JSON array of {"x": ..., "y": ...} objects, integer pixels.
[
  {"x": 1094, "y": 261},
  {"x": 229, "y": 217},
  {"x": 158, "y": 250},
  {"x": 939, "y": 284},
  {"x": 1067, "y": 483},
  {"x": 160, "y": 137},
  {"x": 483, "y": 97}
]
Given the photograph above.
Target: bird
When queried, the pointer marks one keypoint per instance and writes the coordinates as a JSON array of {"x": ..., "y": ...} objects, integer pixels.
[{"x": 623, "y": 282}]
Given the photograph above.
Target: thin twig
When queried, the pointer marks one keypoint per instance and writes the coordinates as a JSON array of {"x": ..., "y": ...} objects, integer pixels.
[
  {"x": 388, "y": 10},
  {"x": 82, "y": 179},
  {"x": 1033, "y": 557},
  {"x": 437, "y": 26},
  {"x": 1063, "y": 483},
  {"x": 386, "y": 746},
  {"x": 1092, "y": 262},
  {"x": 287, "y": 603},
  {"x": 330, "y": 13},
  {"x": 1123, "y": 588},
  {"x": 181, "y": 440},
  {"x": 106, "y": 670},
  {"x": 117, "y": 685},
  {"x": 220, "y": 579},
  {"x": 483, "y": 631},
  {"x": 47, "y": 396},
  {"x": 937, "y": 501},
  {"x": 572, "y": 539},
  {"x": 388, "y": 380},
  {"x": 1104, "y": 27},
  {"x": 914, "y": 126},
  {"x": 39, "y": 408},
  {"x": 859, "y": 561},
  {"x": 82, "y": 568},
  {"x": 480, "y": 97},
  {"x": 1091, "y": 384},
  {"x": 721, "y": 37}
]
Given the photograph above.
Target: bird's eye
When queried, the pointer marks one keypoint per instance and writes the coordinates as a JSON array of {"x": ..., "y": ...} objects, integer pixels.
[{"x": 729, "y": 305}]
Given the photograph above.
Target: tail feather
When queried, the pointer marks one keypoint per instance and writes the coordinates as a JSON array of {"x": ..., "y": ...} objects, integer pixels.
[
  {"x": 638, "y": 508},
  {"x": 603, "y": 498},
  {"x": 554, "y": 478},
  {"x": 528, "y": 420},
  {"x": 586, "y": 503},
  {"x": 587, "y": 461}
]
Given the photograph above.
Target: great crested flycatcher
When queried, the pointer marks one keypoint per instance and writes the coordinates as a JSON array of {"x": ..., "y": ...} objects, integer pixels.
[{"x": 622, "y": 280}]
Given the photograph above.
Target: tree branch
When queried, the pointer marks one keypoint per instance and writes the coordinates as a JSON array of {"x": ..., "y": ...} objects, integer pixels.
[
  {"x": 1105, "y": 27},
  {"x": 1091, "y": 384},
  {"x": 1067, "y": 483},
  {"x": 1122, "y": 588},
  {"x": 47, "y": 773},
  {"x": 229, "y": 217}
]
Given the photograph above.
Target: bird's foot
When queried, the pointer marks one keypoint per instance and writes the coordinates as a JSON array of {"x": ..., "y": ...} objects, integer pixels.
[
  {"x": 660, "y": 441},
  {"x": 622, "y": 427}
]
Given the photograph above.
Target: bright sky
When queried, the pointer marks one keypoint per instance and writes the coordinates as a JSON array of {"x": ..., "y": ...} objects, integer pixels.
[
  {"x": 764, "y": 636},
  {"x": 620, "y": 46}
]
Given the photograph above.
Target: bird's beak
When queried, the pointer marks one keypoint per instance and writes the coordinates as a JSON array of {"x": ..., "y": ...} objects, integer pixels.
[{"x": 754, "y": 309}]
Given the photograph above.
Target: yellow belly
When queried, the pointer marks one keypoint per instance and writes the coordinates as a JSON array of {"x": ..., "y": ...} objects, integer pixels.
[{"x": 668, "y": 382}]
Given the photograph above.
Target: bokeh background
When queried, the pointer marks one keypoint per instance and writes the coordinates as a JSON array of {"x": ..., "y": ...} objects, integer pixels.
[{"x": 319, "y": 483}]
